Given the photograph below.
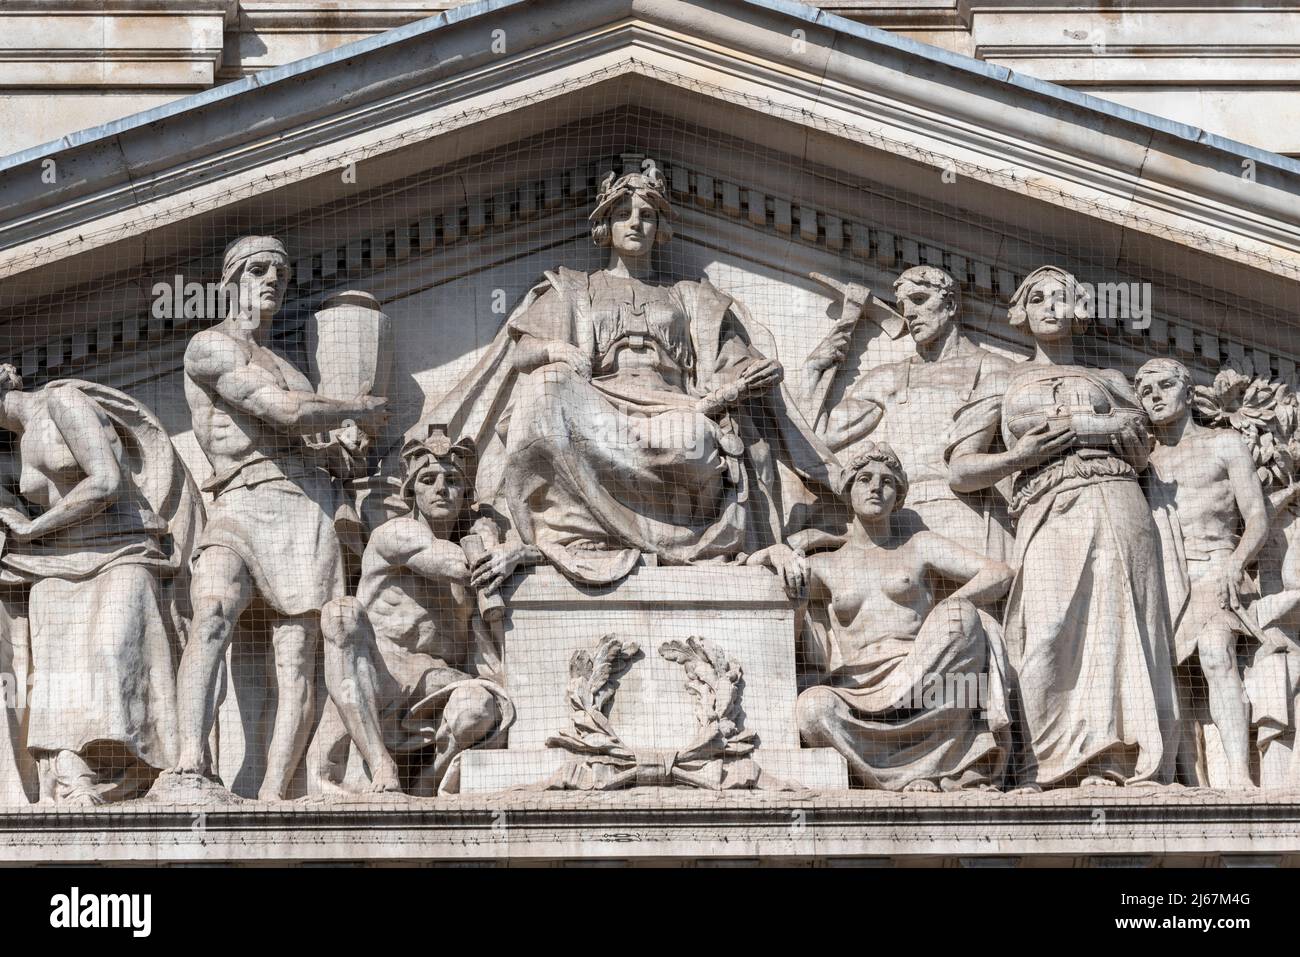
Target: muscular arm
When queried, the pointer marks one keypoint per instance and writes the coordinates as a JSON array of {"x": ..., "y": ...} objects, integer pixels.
[
  {"x": 408, "y": 543},
  {"x": 1249, "y": 495},
  {"x": 87, "y": 433},
  {"x": 825, "y": 360},
  {"x": 971, "y": 467},
  {"x": 859, "y": 412},
  {"x": 220, "y": 365},
  {"x": 984, "y": 579}
]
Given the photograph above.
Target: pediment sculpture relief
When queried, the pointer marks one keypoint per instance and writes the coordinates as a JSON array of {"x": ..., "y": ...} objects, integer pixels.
[{"x": 964, "y": 571}]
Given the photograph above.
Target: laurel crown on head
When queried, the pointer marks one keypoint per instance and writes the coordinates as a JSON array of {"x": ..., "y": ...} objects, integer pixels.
[{"x": 649, "y": 184}]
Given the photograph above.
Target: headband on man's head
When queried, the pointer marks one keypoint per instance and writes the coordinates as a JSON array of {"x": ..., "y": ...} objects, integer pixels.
[
  {"x": 927, "y": 275},
  {"x": 649, "y": 184},
  {"x": 243, "y": 249}
]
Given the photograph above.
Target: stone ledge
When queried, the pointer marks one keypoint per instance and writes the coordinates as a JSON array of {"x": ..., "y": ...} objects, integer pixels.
[
  {"x": 709, "y": 586},
  {"x": 1094, "y": 825}
]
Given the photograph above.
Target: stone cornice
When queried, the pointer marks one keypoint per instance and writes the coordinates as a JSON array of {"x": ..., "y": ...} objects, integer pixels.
[
  {"x": 229, "y": 9},
  {"x": 863, "y": 97},
  {"x": 1197, "y": 826},
  {"x": 843, "y": 61},
  {"x": 116, "y": 44},
  {"x": 708, "y": 201}
]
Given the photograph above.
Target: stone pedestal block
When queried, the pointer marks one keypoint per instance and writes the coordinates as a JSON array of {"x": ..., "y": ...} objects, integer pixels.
[{"x": 743, "y": 611}]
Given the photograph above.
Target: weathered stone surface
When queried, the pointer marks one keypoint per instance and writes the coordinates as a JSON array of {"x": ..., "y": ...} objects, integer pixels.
[
  {"x": 550, "y": 618},
  {"x": 1076, "y": 828},
  {"x": 701, "y": 616}
]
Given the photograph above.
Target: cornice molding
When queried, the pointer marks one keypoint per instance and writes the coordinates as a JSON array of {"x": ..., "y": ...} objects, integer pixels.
[
  {"x": 976, "y": 150},
  {"x": 228, "y": 9},
  {"x": 1200, "y": 826},
  {"x": 128, "y": 43},
  {"x": 704, "y": 196}
]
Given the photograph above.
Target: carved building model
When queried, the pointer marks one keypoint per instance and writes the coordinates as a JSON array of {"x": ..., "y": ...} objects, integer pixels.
[{"x": 823, "y": 445}]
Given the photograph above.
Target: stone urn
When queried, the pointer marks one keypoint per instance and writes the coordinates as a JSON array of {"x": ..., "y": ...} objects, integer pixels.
[
  {"x": 350, "y": 346},
  {"x": 350, "y": 353}
]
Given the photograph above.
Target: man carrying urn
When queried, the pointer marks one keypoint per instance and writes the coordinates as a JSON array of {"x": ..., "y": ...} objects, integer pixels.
[{"x": 271, "y": 530}]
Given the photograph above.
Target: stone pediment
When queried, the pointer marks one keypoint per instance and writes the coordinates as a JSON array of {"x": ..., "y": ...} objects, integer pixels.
[
  {"x": 871, "y": 122},
  {"x": 448, "y": 166}
]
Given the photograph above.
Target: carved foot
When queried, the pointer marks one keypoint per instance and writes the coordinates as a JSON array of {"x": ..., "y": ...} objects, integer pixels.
[
  {"x": 180, "y": 786},
  {"x": 920, "y": 786},
  {"x": 82, "y": 798},
  {"x": 1027, "y": 789},
  {"x": 1098, "y": 781},
  {"x": 386, "y": 781}
]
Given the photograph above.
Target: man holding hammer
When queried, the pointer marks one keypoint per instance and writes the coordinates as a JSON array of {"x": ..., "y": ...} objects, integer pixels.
[{"x": 911, "y": 404}]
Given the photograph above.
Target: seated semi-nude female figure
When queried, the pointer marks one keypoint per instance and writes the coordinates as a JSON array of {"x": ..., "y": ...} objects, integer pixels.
[{"x": 912, "y": 693}]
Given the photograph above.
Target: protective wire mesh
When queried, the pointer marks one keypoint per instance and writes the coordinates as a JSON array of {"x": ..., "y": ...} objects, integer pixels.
[{"x": 592, "y": 540}]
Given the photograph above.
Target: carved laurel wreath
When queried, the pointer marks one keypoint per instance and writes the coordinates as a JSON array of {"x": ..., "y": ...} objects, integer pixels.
[{"x": 713, "y": 680}]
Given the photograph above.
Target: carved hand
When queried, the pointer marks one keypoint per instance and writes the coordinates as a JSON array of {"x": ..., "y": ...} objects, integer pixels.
[
  {"x": 494, "y": 566},
  {"x": 718, "y": 400},
  {"x": 371, "y": 409},
  {"x": 831, "y": 351},
  {"x": 761, "y": 376},
  {"x": 790, "y": 565},
  {"x": 1132, "y": 445},
  {"x": 1229, "y": 587},
  {"x": 18, "y": 524},
  {"x": 571, "y": 356},
  {"x": 1040, "y": 444}
]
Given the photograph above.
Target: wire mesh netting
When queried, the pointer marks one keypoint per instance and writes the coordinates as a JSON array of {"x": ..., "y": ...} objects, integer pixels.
[{"x": 628, "y": 453}]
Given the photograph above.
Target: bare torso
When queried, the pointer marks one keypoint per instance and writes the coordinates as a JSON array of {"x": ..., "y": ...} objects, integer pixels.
[
  {"x": 1196, "y": 472},
  {"x": 874, "y": 593},
  {"x": 229, "y": 436},
  {"x": 421, "y": 614},
  {"x": 49, "y": 469}
]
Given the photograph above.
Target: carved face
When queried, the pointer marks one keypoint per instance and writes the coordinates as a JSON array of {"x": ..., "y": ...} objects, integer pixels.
[
  {"x": 263, "y": 284},
  {"x": 633, "y": 223},
  {"x": 1049, "y": 311},
  {"x": 874, "y": 492},
  {"x": 1165, "y": 395},
  {"x": 440, "y": 492},
  {"x": 929, "y": 312}
]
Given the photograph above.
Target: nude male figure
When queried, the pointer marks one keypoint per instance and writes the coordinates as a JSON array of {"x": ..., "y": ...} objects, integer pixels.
[
  {"x": 406, "y": 685},
  {"x": 270, "y": 529},
  {"x": 1210, "y": 511}
]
